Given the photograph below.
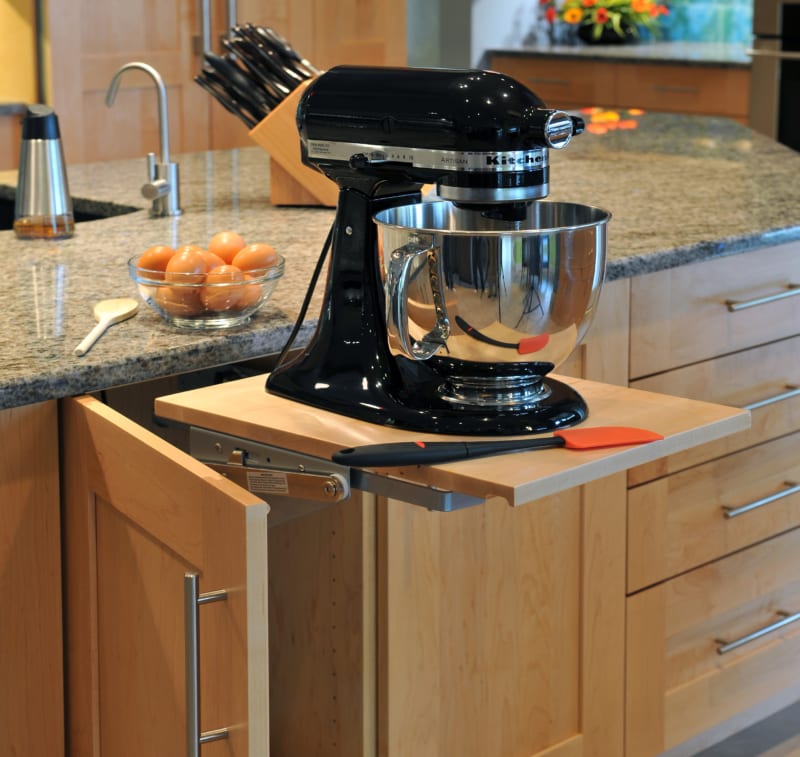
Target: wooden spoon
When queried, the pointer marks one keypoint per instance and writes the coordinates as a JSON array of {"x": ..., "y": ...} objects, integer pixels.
[{"x": 106, "y": 313}]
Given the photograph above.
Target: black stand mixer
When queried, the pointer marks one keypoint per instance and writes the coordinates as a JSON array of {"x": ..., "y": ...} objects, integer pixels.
[{"x": 445, "y": 316}]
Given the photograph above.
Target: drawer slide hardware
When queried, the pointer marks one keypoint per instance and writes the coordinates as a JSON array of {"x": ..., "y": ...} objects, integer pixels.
[
  {"x": 791, "y": 488},
  {"x": 192, "y": 600},
  {"x": 280, "y": 475},
  {"x": 736, "y": 305},
  {"x": 790, "y": 391},
  {"x": 786, "y": 618}
]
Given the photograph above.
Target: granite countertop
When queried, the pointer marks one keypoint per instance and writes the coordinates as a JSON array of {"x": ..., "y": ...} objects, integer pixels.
[
  {"x": 726, "y": 54},
  {"x": 681, "y": 189}
]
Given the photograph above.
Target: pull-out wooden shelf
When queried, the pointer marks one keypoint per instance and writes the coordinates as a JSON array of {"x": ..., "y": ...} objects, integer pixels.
[{"x": 245, "y": 409}]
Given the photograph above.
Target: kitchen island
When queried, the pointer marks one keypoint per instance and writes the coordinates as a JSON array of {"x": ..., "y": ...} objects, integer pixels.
[
  {"x": 693, "y": 200},
  {"x": 680, "y": 190}
]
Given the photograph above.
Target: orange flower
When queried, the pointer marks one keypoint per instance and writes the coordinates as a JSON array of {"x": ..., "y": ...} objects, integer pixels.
[
  {"x": 641, "y": 6},
  {"x": 601, "y": 15},
  {"x": 573, "y": 15},
  {"x": 588, "y": 3}
]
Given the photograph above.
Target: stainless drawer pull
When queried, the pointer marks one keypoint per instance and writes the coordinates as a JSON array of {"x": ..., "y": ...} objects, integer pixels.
[
  {"x": 791, "y": 391},
  {"x": 192, "y": 600},
  {"x": 781, "y": 55},
  {"x": 676, "y": 90},
  {"x": 736, "y": 305},
  {"x": 557, "y": 82},
  {"x": 791, "y": 488},
  {"x": 728, "y": 646}
]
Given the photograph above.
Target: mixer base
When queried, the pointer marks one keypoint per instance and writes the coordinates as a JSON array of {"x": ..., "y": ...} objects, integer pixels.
[
  {"x": 418, "y": 406},
  {"x": 424, "y": 409}
]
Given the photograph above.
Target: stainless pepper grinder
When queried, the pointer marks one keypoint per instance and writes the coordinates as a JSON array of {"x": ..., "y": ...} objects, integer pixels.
[{"x": 43, "y": 206}]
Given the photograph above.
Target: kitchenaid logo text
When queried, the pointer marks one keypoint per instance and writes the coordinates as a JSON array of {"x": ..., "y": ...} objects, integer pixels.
[{"x": 528, "y": 159}]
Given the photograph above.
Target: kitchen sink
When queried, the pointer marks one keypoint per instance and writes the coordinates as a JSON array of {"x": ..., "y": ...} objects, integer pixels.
[{"x": 83, "y": 211}]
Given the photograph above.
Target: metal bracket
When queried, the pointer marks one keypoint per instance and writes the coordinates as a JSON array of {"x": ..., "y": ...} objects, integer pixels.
[{"x": 273, "y": 472}]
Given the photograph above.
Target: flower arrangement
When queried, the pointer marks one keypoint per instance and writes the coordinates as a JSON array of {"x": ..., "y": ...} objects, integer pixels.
[{"x": 620, "y": 17}]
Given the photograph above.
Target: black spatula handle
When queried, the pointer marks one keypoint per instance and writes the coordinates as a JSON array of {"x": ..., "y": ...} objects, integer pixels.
[{"x": 430, "y": 453}]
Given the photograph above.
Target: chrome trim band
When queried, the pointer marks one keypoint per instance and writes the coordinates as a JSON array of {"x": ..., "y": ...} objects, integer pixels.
[{"x": 437, "y": 160}]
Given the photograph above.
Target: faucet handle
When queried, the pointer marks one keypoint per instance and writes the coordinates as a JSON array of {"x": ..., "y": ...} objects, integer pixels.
[
  {"x": 155, "y": 189},
  {"x": 162, "y": 187}
]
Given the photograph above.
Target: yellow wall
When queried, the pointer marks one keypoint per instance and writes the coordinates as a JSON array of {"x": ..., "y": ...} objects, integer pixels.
[{"x": 17, "y": 51}]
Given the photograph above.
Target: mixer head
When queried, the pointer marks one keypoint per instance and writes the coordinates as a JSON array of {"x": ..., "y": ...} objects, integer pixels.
[{"x": 480, "y": 136}]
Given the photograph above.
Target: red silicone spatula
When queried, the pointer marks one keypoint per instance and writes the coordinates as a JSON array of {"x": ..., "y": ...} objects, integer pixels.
[{"x": 429, "y": 453}]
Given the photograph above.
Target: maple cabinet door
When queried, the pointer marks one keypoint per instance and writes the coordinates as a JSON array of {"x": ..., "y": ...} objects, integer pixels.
[
  {"x": 138, "y": 517},
  {"x": 501, "y": 629}
]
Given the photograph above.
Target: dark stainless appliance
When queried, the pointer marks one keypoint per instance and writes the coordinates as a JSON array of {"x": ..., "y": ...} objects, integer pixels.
[
  {"x": 775, "y": 83},
  {"x": 445, "y": 316}
]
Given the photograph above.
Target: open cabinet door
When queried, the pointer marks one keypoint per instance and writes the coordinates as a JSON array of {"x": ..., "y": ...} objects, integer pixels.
[{"x": 139, "y": 515}]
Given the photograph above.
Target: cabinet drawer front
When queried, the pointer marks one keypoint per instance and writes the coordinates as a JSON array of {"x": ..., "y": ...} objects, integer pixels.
[
  {"x": 561, "y": 83},
  {"x": 764, "y": 379},
  {"x": 699, "y": 311},
  {"x": 706, "y": 512},
  {"x": 686, "y": 89},
  {"x": 678, "y": 682}
]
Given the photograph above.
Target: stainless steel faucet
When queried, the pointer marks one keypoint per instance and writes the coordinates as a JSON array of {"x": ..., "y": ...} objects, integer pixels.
[{"x": 163, "y": 185}]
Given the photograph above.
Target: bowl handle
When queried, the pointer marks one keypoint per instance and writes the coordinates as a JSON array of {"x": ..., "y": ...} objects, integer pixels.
[{"x": 400, "y": 274}]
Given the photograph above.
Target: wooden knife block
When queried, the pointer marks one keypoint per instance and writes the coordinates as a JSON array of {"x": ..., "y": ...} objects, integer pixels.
[{"x": 291, "y": 182}]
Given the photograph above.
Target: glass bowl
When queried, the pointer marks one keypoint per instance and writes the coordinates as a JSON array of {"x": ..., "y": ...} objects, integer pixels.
[{"x": 190, "y": 301}]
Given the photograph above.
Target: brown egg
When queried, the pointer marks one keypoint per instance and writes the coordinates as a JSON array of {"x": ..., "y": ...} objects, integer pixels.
[
  {"x": 222, "y": 296},
  {"x": 250, "y": 294},
  {"x": 187, "y": 265},
  {"x": 155, "y": 259},
  {"x": 179, "y": 301},
  {"x": 212, "y": 260},
  {"x": 257, "y": 256},
  {"x": 185, "y": 247},
  {"x": 226, "y": 244}
]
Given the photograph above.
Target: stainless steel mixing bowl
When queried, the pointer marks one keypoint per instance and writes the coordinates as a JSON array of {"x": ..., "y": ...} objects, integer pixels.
[{"x": 487, "y": 293}]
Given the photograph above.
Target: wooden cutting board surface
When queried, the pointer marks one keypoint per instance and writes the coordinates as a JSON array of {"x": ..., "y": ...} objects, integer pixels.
[{"x": 245, "y": 409}]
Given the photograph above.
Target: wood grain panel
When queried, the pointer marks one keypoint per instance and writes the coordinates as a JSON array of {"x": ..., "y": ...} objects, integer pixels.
[
  {"x": 569, "y": 83},
  {"x": 31, "y": 660},
  {"x": 677, "y": 523},
  {"x": 322, "y": 631},
  {"x": 678, "y": 685},
  {"x": 501, "y": 628},
  {"x": 740, "y": 379},
  {"x": 88, "y": 43},
  {"x": 679, "y": 316},
  {"x": 685, "y": 89},
  {"x": 10, "y": 136}
]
